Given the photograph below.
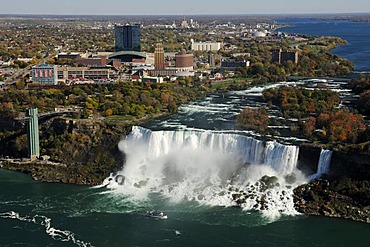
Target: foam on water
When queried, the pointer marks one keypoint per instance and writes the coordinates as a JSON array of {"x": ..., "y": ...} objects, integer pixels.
[
  {"x": 211, "y": 168},
  {"x": 257, "y": 90},
  {"x": 56, "y": 234},
  {"x": 205, "y": 108}
]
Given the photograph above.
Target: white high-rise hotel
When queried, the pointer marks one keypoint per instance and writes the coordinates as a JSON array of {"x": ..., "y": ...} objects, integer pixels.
[{"x": 205, "y": 46}]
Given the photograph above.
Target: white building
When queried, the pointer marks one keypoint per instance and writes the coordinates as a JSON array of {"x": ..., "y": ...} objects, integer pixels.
[{"x": 206, "y": 46}]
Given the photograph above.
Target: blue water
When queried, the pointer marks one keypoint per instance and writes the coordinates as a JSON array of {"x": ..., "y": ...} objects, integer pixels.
[
  {"x": 83, "y": 216},
  {"x": 42, "y": 214},
  {"x": 356, "y": 33}
]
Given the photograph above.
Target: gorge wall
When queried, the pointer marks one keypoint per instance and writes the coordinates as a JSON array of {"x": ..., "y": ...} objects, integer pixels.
[
  {"x": 81, "y": 152},
  {"x": 343, "y": 164}
]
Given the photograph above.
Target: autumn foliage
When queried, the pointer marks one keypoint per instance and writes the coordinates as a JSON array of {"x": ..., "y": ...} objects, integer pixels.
[
  {"x": 342, "y": 126},
  {"x": 362, "y": 87},
  {"x": 318, "y": 113},
  {"x": 254, "y": 119},
  {"x": 300, "y": 102}
]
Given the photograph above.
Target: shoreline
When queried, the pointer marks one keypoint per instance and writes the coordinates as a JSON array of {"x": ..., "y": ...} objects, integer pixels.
[
  {"x": 315, "y": 198},
  {"x": 49, "y": 172},
  {"x": 319, "y": 197},
  {"x": 76, "y": 174}
]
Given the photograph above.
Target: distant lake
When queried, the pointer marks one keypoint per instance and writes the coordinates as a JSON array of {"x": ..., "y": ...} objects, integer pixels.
[{"x": 356, "y": 33}]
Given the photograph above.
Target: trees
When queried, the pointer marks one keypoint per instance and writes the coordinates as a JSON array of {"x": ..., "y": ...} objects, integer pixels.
[
  {"x": 7, "y": 111},
  {"x": 364, "y": 102},
  {"x": 125, "y": 98},
  {"x": 257, "y": 69},
  {"x": 317, "y": 110},
  {"x": 254, "y": 119},
  {"x": 362, "y": 87},
  {"x": 344, "y": 126},
  {"x": 299, "y": 102},
  {"x": 309, "y": 126}
]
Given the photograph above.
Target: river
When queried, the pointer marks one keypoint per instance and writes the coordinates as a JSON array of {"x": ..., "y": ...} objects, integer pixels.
[
  {"x": 356, "y": 33},
  {"x": 194, "y": 166}
]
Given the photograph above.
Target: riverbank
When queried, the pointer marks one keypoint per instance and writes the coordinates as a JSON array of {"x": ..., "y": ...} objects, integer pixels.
[
  {"x": 80, "y": 151},
  {"x": 87, "y": 148},
  {"x": 90, "y": 154},
  {"x": 50, "y": 172},
  {"x": 342, "y": 197}
]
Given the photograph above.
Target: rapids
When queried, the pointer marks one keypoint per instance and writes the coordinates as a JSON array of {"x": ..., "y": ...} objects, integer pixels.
[
  {"x": 217, "y": 169},
  {"x": 200, "y": 155}
]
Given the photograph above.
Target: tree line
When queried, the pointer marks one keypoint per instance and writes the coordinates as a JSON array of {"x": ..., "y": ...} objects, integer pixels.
[{"x": 318, "y": 115}]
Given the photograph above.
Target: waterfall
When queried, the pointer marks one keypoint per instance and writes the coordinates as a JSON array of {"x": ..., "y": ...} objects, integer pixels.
[
  {"x": 209, "y": 167},
  {"x": 281, "y": 157},
  {"x": 324, "y": 163}
]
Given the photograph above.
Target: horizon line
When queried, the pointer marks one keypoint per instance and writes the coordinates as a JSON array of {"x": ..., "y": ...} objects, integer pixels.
[{"x": 211, "y": 14}]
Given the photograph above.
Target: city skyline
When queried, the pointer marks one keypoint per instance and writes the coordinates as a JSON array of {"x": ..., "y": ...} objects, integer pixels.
[{"x": 189, "y": 7}]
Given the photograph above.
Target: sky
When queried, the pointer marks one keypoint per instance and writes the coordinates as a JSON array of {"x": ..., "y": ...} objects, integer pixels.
[{"x": 181, "y": 7}]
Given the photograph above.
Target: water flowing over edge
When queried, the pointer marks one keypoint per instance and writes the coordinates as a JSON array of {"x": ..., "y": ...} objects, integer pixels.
[
  {"x": 217, "y": 169},
  {"x": 324, "y": 164}
]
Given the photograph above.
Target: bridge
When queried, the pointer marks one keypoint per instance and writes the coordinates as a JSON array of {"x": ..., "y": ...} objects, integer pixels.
[{"x": 48, "y": 114}]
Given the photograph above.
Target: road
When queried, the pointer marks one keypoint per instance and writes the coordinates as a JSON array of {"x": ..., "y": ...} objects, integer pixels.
[{"x": 23, "y": 72}]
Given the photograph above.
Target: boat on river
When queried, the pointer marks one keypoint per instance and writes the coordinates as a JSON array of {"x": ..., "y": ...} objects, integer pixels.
[{"x": 156, "y": 214}]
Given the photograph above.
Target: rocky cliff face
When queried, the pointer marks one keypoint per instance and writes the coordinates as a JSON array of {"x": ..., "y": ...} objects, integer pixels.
[
  {"x": 308, "y": 158},
  {"x": 344, "y": 198},
  {"x": 344, "y": 192},
  {"x": 352, "y": 164},
  {"x": 85, "y": 151},
  {"x": 88, "y": 148},
  {"x": 343, "y": 164}
]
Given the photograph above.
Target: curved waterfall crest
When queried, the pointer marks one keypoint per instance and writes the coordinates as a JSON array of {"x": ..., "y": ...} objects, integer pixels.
[
  {"x": 156, "y": 143},
  {"x": 211, "y": 168}
]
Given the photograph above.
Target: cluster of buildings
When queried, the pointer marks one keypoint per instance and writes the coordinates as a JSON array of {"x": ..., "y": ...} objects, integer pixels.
[
  {"x": 53, "y": 74},
  {"x": 108, "y": 68}
]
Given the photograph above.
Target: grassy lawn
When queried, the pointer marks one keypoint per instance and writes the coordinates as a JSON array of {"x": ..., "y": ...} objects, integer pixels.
[
  {"x": 121, "y": 118},
  {"x": 225, "y": 83}
]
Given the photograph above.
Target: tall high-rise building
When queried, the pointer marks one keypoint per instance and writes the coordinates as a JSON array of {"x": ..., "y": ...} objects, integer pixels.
[
  {"x": 280, "y": 56},
  {"x": 212, "y": 60},
  {"x": 127, "y": 38},
  {"x": 33, "y": 133},
  {"x": 159, "y": 57}
]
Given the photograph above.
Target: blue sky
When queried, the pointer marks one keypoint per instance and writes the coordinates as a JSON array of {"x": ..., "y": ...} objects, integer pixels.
[{"x": 177, "y": 7}]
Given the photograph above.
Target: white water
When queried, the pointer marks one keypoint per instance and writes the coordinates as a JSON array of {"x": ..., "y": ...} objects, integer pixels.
[
  {"x": 211, "y": 168},
  {"x": 324, "y": 163},
  {"x": 56, "y": 234}
]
